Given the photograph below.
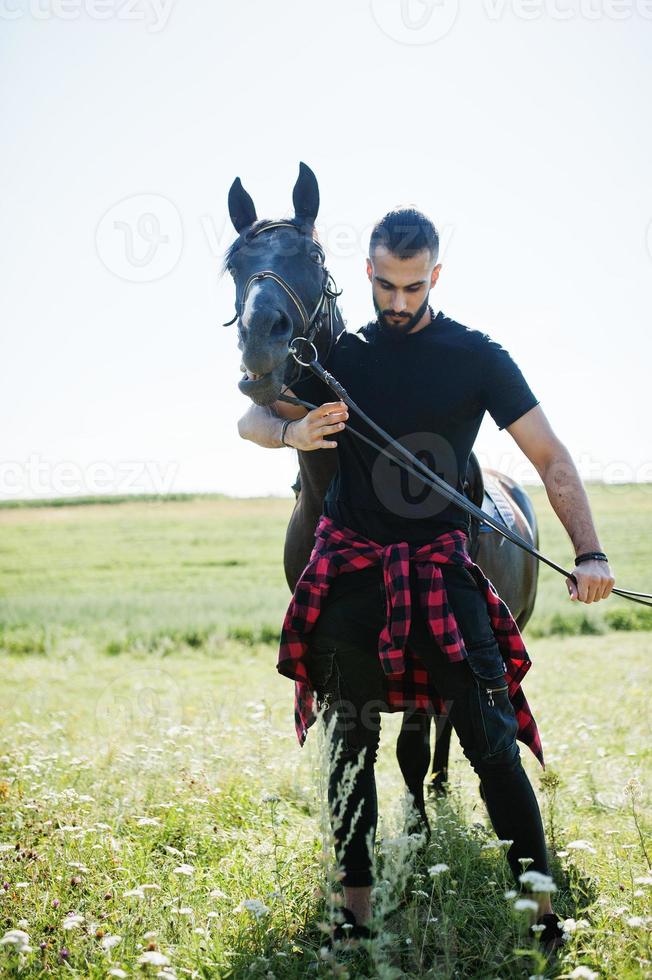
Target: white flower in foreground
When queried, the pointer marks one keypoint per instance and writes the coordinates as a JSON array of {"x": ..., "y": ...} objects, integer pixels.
[
  {"x": 583, "y": 973},
  {"x": 437, "y": 869},
  {"x": 581, "y": 845},
  {"x": 108, "y": 942},
  {"x": 134, "y": 893},
  {"x": 184, "y": 869},
  {"x": 526, "y": 905},
  {"x": 217, "y": 893},
  {"x": 496, "y": 843},
  {"x": 173, "y": 850},
  {"x": 636, "y": 921},
  {"x": 117, "y": 972},
  {"x": 537, "y": 881},
  {"x": 537, "y": 928},
  {"x": 270, "y": 798},
  {"x": 152, "y": 957},
  {"x": 643, "y": 880},
  {"x": 148, "y": 822},
  {"x": 254, "y": 906},
  {"x": 72, "y": 921},
  {"x": 18, "y": 939},
  {"x": 511, "y": 894}
]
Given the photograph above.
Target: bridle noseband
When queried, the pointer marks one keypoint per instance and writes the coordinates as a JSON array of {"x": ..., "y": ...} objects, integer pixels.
[{"x": 311, "y": 322}]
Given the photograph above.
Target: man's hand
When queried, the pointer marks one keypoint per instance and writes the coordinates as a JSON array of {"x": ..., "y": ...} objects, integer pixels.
[
  {"x": 594, "y": 581},
  {"x": 308, "y": 433}
]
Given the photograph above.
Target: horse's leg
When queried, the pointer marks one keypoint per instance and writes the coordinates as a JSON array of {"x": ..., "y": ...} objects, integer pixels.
[
  {"x": 439, "y": 778},
  {"x": 413, "y": 755}
]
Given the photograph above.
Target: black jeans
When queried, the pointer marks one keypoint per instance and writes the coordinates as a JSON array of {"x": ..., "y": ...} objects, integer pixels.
[{"x": 347, "y": 674}]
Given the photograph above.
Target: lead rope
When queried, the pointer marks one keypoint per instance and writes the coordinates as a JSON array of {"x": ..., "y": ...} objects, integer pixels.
[{"x": 411, "y": 464}]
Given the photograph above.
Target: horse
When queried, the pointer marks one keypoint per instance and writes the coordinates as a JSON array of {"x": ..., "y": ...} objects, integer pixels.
[{"x": 284, "y": 292}]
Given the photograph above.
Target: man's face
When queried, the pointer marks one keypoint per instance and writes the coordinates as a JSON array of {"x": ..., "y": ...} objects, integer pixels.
[{"x": 400, "y": 287}]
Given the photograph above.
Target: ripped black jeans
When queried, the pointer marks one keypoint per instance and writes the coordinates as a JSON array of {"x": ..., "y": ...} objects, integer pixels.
[{"x": 347, "y": 674}]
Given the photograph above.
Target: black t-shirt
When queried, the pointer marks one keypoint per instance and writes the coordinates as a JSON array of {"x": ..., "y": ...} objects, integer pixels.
[{"x": 429, "y": 390}]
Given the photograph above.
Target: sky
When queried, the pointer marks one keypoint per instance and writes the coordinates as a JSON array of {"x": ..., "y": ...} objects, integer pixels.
[{"x": 521, "y": 127}]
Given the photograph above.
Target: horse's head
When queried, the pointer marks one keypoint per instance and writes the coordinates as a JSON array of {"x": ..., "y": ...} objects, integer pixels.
[{"x": 283, "y": 290}]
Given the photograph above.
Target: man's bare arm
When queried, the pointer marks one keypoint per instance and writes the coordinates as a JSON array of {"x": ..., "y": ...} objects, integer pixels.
[
  {"x": 263, "y": 425},
  {"x": 552, "y": 460}
]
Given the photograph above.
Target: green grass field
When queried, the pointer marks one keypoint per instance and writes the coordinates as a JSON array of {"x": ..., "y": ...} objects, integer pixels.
[{"x": 152, "y": 791}]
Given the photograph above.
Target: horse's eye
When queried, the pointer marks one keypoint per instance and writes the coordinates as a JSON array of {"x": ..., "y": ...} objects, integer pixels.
[{"x": 317, "y": 256}]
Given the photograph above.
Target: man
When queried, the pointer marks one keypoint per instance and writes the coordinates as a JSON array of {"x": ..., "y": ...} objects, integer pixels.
[{"x": 427, "y": 380}]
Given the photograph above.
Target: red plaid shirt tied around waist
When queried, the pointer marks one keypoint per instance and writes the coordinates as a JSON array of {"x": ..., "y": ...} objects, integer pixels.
[{"x": 339, "y": 550}]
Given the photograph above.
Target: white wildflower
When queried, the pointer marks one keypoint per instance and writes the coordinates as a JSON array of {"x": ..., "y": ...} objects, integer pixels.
[
  {"x": 643, "y": 880},
  {"x": 526, "y": 905},
  {"x": 173, "y": 850},
  {"x": 72, "y": 921},
  {"x": 636, "y": 921},
  {"x": 184, "y": 869},
  {"x": 148, "y": 822},
  {"x": 537, "y": 881},
  {"x": 537, "y": 928},
  {"x": 217, "y": 893},
  {"x": 18, "y": 939},
  {"x": 581, "y": 845},
  {"x": 117, "y": 972},
  {"x": 511, "y": 894},
  {"x": 583, "y": 973},
  {"x": 108, "y": 942},
  {"x": 496, "y": 843},
  {"x": 270, "y": 798},
  {"x": 437, "y": 869},
  {"x": 152, "y": 957},
  {"x": 254, "y": 906},
  {"x": 134, "y": 893}
]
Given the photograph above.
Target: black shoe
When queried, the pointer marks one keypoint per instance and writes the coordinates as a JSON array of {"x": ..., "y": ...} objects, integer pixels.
[
  {"x": 552, "y": 936},
  {"x": 349, "y": 928}
]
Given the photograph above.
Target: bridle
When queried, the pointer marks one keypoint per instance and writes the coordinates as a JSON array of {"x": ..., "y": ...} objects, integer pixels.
[{"x": 312, "y": 323}]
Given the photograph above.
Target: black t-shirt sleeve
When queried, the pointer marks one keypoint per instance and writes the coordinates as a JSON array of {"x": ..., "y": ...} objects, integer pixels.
[{"x": 505, "y": 391}]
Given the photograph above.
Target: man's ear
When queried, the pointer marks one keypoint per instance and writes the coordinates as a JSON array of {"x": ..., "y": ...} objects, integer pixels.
[
  {"x": 370, "y": 271},
  {"x": 435, "y": 275}
]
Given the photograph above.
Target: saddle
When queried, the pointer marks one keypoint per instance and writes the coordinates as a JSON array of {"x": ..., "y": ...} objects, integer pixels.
[{"x": 484, "y": 491}]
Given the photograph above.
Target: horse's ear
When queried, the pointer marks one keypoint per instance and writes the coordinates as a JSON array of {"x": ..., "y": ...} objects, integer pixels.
[
  {"x": 241, "y": 206},
  {"x": 305, "y": 195}
]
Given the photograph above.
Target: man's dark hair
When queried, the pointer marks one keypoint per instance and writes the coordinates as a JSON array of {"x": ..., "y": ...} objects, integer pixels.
[{"x": 405, "y": 232}]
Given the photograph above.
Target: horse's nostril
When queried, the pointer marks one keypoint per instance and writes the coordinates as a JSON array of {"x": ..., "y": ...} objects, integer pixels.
[{"x": 282, "y": 327}]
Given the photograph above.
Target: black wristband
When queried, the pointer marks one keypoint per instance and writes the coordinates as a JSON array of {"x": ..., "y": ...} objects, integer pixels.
[
  {"x": 284, "y": 430},
  {"x": 591, "y": 556}
]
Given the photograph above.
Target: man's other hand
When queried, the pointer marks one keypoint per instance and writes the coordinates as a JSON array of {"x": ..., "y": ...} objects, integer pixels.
[
  {"x": 594, "y": 581},
  {"x": 308, "y": 433}
]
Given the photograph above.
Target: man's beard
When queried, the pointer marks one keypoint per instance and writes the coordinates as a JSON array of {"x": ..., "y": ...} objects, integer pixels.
[{"x": 400, "y": 328}]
